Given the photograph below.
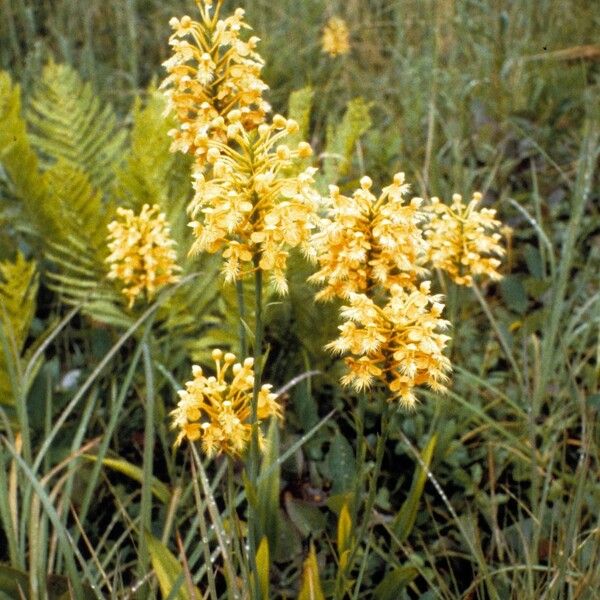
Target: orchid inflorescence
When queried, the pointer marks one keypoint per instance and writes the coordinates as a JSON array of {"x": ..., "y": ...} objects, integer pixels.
[
  {"x": 216, "y": 409},
  {"x": 142, "y": 258},
  {"x": 255, "y": 200}
]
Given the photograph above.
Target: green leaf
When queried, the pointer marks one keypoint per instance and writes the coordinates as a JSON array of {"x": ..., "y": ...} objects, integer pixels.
[
  {"x": 18, "y": 294},
  {"x": 394, "y": 582},
  {"x": 262, "y": 567},
  {"x": 311, "y": 583},
  {"x": 68, "y": 123},
  {"x": 344, "y": 530},
  {"x": 268, "y": 489},
  {"x": 593, "y": 401},
  {"x": 514, "y": 294},
  {"x": 306, "y": 517},
  {"x": 342, "y": 138},
  {"x": 299, "y": 107},
  {"x": 14, "y": 583},
  {"x": 159, "y": 489},
  {"x": 406, "y": 517},
  {"x": 342, "y": 465},
  {"x": 16, "y": 154},
  {"x": 169, "y": 571},
  {"x": 151, "y": 174}
]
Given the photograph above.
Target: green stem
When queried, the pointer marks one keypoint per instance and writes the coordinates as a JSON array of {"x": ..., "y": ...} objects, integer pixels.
[
  {"x": 258, "y": 335},
  {"x": 503, "y": 342},
  {"x": 203, "y": 532},
  {"x": 370, "y": 502},
  {"x": 239, "y": 288},
  {"x": 361, "y": 451},
  {"x": 148, "y": 459},
  {"x": 252, "y": 466}
]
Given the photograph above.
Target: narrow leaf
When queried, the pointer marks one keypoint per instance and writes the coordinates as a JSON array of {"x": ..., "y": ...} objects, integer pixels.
[
  {"x": 262, "y": 567},
  {"x": 169, "y": 571},
  {"x": 159, "y": 489},
  {"x": 405, "y": 519},
  {"x": 311, "y": 583}
]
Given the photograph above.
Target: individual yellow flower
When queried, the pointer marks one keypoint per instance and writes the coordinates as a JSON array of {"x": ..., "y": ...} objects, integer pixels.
[
  {"x": 142, "y": 255},
  {"x": 211, "y": 73},
  {"x": 367, "y": 241},
  {"x": 400, "y": 344},
  {"x": 464, "y": 241},
  {"x": 216, "y": 409},
  {"x": 336, "y": 37},
  {"x": 250, "y": 206}
]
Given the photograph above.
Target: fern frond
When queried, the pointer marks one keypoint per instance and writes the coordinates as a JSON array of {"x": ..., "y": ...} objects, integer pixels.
[
  {"x": 18, "y": 293},
  {"x": 67, "y": 121},
  {"x": 147, "y": 174},
  {"x": 342, "y": 139},
  {"x": 78, "y": 247},
  {"x": 299, "y": 109},
  {"x": 18, "y": 159},
  {"x": 79, "y": 211}
]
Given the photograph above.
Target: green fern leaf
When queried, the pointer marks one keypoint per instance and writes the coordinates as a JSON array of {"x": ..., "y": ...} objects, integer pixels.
[
  {"x": 67, "y": 121},
  {"x": 79, "y": 210},
  {"x": 17, "y": 157},
  {"x": 18, "y": 293},
  {"x": 342, "y": 139},
  {"x": 151, "y": 173},
  {"x": 299, "y": 108}
]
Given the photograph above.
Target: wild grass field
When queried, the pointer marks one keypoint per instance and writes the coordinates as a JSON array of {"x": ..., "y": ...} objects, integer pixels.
[{"x": 140, "y": 459}]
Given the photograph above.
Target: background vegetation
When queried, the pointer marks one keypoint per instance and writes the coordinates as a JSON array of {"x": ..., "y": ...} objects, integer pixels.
[{"x": 489, "y": 492}]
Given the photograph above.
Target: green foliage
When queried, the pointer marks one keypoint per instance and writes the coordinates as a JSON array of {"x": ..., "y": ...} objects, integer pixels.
[
  {"x": 68, "y": 122},
  {"x": 151, "y": 174},
  {"x": 299, "y": 109},
  {"x": 405, "y": 519},
  {"x": 169, "y": 571},
  {"x": 18, "y": 294},
  {"x": 460, "y": 96},
  {"x": 14, "y": 584},
  {"x": 18, "y": 159},
  {"x": 311, "y": 582},
  {"x": 342, "y": 138}
]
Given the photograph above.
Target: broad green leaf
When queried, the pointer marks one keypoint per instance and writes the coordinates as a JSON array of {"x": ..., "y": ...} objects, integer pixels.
[
  {"x": 394, "y": 582},
  {"x": 342, "y": 465},
  {"x": 311, "y": 582},
  {"x": 514, "y": 294},
  {"x": 306, "y": 517}
]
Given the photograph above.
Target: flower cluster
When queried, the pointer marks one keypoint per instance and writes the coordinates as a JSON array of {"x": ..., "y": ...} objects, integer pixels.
[
  {"x": 367, "y": 241},
  {"x": 463, "y": 240},
  {"x": 216, "y": 409},
  {"x": 400, "y": 344},
  {"x": 336, "y": 38},
  {"x": 212, "y": 72},
  {"x": 142, "y": 255},
  {"x": 252, "y": 207}
]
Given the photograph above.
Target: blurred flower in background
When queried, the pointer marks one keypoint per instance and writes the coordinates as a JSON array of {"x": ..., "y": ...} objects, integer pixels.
[{"x": 336, "y": 37}]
